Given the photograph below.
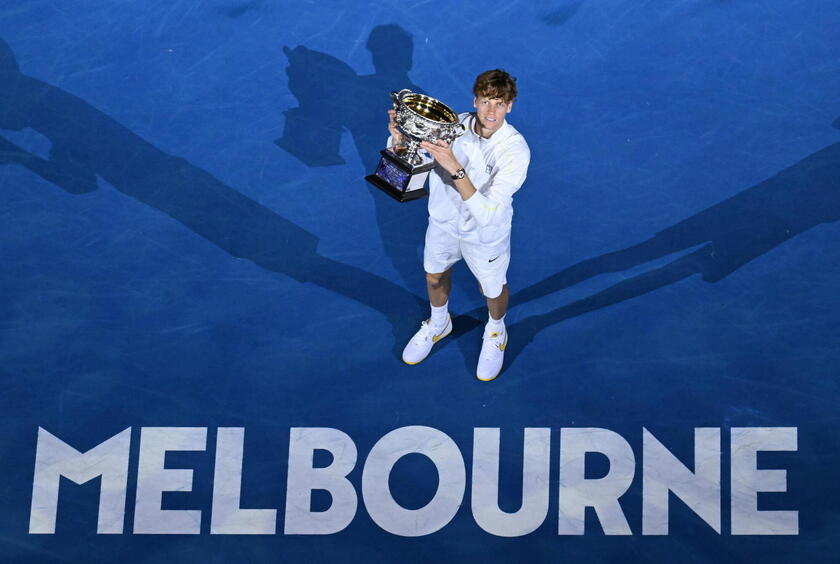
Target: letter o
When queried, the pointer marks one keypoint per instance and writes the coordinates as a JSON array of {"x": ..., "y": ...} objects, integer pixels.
[{"x": 447, "y": 458}]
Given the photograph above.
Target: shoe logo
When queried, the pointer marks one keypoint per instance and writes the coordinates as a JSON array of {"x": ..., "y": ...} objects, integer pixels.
[
  {"x": 495, "y": 335},
  {"x": 492, "y": 259}
]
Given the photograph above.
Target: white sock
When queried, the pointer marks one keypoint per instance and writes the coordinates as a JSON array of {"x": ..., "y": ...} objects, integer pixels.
[
  {"x": 440, "y": 316},
  {"x": 495, "y": 325}
]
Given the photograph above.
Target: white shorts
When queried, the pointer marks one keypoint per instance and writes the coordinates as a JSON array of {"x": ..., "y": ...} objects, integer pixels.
[{"x": 488, "y": 263}]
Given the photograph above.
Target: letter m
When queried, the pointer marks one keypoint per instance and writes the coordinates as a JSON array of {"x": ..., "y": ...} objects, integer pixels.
[{"x": 54, "y": 458}]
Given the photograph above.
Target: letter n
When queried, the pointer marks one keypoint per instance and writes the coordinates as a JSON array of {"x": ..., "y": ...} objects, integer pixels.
[
  {"x": 664, "y": 474},
  {"x": 54, "y": 458}
]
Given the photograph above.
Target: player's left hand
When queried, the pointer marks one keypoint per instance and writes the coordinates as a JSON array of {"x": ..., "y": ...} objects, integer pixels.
[{"x": 442, "y": 153}]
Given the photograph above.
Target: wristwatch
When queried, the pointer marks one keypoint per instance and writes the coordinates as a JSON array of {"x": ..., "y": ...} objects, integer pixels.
[{"x": 459, "y": 174}]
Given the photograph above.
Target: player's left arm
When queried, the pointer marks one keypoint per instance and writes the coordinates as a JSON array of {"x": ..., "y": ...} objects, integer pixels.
[{"x": 486, "y": 206}]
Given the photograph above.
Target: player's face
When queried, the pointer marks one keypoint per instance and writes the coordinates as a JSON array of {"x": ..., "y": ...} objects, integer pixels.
[{"x": 491, "y": 112}]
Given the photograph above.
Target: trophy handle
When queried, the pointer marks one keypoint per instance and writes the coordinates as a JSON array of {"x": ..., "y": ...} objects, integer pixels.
[{"x": 395, "y": 97}]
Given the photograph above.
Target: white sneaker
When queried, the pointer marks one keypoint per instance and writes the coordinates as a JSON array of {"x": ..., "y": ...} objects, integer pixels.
[
  {"x": 420, "y": 345},
  {"x": 492, "y": 355}
]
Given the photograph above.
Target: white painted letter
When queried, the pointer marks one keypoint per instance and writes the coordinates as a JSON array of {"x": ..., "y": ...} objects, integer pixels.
[
  {"x": 452, "y": 478},
  {"x": 54, "y": 458},
  {"x": 153, "y": 479},
  {"x": 748, "y": 480},
  {"x": 663, "y": 472},
  {"x": 303, "y": 478},
  {"x": 227, "y": 517},
  {"x": 577, "y": 492},
  {"x": 485, "y": 483}
]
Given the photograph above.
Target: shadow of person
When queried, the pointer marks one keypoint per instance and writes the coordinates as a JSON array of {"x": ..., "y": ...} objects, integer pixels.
[
  {"x": 332, "y": 98},
  {"x": 732, "y": 233},
  {"x": 392, "y": 51},
  {"x": 87, "y": 143},
  {"x": 402, "y": 226},
  {"x": 323, "y": 86}
]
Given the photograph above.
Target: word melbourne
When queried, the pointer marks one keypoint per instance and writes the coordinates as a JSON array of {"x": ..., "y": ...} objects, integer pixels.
[{"x": 663, "y": 475}]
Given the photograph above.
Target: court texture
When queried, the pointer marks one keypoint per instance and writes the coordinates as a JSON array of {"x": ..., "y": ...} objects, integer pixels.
[{"x": 189, "y": 246}]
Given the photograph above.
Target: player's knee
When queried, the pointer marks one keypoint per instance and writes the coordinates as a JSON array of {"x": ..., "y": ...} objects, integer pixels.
[
  {"x": 492, "y": 295},
  {"x": 435, "y": 280},
  {"x": 494, "y": 291}
]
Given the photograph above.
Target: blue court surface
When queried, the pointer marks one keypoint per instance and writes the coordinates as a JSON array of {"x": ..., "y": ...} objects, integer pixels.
[{"x": 203, "y": 303}]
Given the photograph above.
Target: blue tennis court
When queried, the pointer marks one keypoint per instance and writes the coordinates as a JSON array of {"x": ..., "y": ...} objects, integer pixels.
[{"x": 203, "y": 303}]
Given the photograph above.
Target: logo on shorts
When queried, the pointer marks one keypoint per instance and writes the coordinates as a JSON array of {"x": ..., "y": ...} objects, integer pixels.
[
  {"x": 492, "y": 259},
  {"x": 488, "y": 170}
]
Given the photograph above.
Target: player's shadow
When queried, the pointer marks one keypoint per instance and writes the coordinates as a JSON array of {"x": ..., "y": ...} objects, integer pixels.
[
  {"x": 87, "y": 143},
  {"x": 323, "y": 87},
  {"x": 727, "y": 236},
  {"x": 332, "y": 99}
]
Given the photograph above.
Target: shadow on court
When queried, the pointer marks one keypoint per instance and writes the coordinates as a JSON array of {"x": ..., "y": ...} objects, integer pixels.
[
  {"x": 735, "y": 232},
  {"x": 333, "y": 99},
  {"x": 86, "y": 143}
]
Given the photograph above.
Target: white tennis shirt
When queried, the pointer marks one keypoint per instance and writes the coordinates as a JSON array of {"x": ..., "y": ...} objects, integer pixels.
[{"x": 497, "y": 167}]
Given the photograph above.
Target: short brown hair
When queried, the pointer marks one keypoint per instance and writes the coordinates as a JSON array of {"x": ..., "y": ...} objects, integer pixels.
[{"x": 495, "y": 83}]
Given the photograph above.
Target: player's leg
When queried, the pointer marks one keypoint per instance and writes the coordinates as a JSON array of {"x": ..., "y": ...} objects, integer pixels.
[
  {"x": 489, "y": 265},
  {"x": 439, "y": 285},
  {"x": 440, "y": 253},
  {"x": 497, "y": 307}
]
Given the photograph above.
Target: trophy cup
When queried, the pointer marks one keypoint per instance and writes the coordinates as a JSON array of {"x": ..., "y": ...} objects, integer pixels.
[{"x": 403, "y": 169}]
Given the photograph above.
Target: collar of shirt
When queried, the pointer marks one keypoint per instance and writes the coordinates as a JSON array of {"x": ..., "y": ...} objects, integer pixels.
[{"x": 503, "y": 133}]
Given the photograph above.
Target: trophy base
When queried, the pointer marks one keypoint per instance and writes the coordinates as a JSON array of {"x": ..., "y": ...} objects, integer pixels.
[
  {"x": 395, "y": 193},
  {"x": 400, "y": 180}
]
